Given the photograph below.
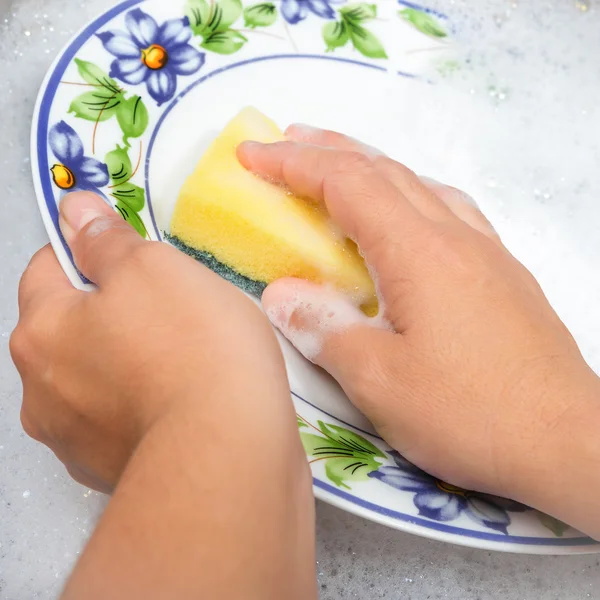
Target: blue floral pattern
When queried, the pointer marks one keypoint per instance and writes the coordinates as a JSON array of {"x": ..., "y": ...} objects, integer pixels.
[
  {"x": 74, "y": 171},
  {"x": 152, "y": 54},
  {"x": 440, "y": 501},
  {"x": 115, "y": 118},
  {"x": 294, "y": 11}
]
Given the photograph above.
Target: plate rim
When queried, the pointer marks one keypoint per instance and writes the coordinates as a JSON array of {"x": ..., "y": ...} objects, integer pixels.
[{"x": 423, "y": 527}]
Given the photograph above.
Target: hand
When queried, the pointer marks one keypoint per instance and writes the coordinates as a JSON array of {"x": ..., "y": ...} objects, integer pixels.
[
  {"x": 168, "y": 383},
  {"x": 160, "y": 333},
  {"x": 467, "y": 371}
]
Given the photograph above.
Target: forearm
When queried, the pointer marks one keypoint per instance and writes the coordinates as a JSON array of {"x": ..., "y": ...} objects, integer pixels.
[{"x": 206, "y": 508}]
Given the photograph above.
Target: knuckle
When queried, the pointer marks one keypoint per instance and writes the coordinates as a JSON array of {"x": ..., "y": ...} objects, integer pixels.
[
  {"x": 348, "y": 174},
  {"x": 31, "y": 338},
  {"x": 20, "y": 345},
  {"x": 351, "y": 162},
  {"x": 28, "y": 273},
  {"x": 467, "y": 260},
  {"x": 76, "y": 474},
  {"x": 30, "y": 426},
  {"x": 388, "y": 165},
  {"x": 39, "y": 257},
  {"x": 289, "y": 164}
]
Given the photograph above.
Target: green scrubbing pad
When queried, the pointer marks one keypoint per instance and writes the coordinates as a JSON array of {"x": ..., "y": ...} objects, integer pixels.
[{"x": 255, "y": 288}]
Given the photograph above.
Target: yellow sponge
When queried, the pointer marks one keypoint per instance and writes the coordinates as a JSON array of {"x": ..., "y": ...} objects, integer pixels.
[{"x": 258, "y": 229}]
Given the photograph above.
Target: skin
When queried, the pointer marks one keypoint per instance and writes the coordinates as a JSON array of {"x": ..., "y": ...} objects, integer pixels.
[
  {"x": 471, "y": 375},
  {"x": 140, "y": 390},
  {"x": 132, "y": 387}
]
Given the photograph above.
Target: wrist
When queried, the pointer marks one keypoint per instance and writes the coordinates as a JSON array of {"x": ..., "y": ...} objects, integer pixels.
[
  {"x": 213, "y": 387},
  {"x": 557, "y": 467}
]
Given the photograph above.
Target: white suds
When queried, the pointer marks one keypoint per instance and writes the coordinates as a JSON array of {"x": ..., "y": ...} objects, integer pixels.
[
  {"x": 515, "y": 124},
  {"x": 307, "y": 314}
]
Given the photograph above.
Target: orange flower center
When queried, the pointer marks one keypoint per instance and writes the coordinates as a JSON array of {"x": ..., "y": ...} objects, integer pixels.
[
  {"x": 63, "y": 177},
  {"x": 449, "y": 488},
  {"x": 155, "y": 57}
]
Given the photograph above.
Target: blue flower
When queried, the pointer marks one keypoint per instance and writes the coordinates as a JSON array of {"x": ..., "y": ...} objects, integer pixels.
[
  {"x": 152, "y": 54},
  {"x": 442, "y": 501},
  {"x": 74, "y": 171},
  {"x": 297, "y": 10}
]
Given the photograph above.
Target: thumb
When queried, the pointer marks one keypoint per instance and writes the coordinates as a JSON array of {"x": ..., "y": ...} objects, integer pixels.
[
  {"x": 327, "y": 329},
  {"x": 98, "y": 236}
]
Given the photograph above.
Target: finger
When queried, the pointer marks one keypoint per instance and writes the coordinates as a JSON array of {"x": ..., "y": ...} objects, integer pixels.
[
  {"x": 86, "y": 479},
  {"x": 419, "y": 195},
  {"x": 463, "y": 206},
  {"x": 326, "y": 328},
  {"x": 306, "y": 134},
  {"x": 368, "y": 208},
  {"x": 98, "y": 237},
  {"x": 42, "y": 278}
]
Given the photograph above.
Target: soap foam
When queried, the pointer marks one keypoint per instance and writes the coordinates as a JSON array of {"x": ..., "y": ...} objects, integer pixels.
[
  {"x": 515, "y": 124},
  {"x": 308, "y": 314}
]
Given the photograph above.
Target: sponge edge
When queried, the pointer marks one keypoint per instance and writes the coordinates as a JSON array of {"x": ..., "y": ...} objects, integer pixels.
[
  {"x": 250, "y": 286},
  {"x": 254, "y": 231}
]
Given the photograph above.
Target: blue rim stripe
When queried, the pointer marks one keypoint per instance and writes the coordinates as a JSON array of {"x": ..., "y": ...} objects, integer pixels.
[
  {"x": 43, "y": 162},
  {"x": 430, "y": 524},
  {"x": 460, "y": 531},
  {"x": 424, "y": 9},
  {"x": 46, "y": 106}
]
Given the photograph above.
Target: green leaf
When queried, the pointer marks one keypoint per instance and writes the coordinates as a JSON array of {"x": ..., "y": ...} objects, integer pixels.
[
  {"x": 358, "y": 13},
  {"x": 260, "y": 15},
  {"x": 96, "y": 76},
  {"x": 119, "y": 165},
  {"x": 423, "y": 21},
  {"x": 132, "y": 115},
  {"x": 557, "y": 527},
  {"x": 351, "y": 440},
  {"x": 335, "y": 35},
  {"x": 366, "y": 42},
  {"x": 132, "y": 217},
  {"x": 133, "y": 195},
  {"x": 340, "y": 470},
  {"x": 224, "y": 13},
  {"x": 99, "y": 105},
  {"x": 198, "y": 12},
  {"x": 347, "y": 455},
  {"x": 224, "y": 42},
  {"x": 301, "y": 422},
  {"x": 319, "y": 447}
]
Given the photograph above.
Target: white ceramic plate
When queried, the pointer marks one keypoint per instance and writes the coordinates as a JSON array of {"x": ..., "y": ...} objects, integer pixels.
[{"x": 126, "y": 111}]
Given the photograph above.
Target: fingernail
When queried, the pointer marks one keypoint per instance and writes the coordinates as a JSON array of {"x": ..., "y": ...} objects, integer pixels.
[
  {"x": 78, "y": 209},
  {"x": 66, "y": 230},
  {"x": 250, "y": 145},
  {"x": 245, "y": 151}
]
